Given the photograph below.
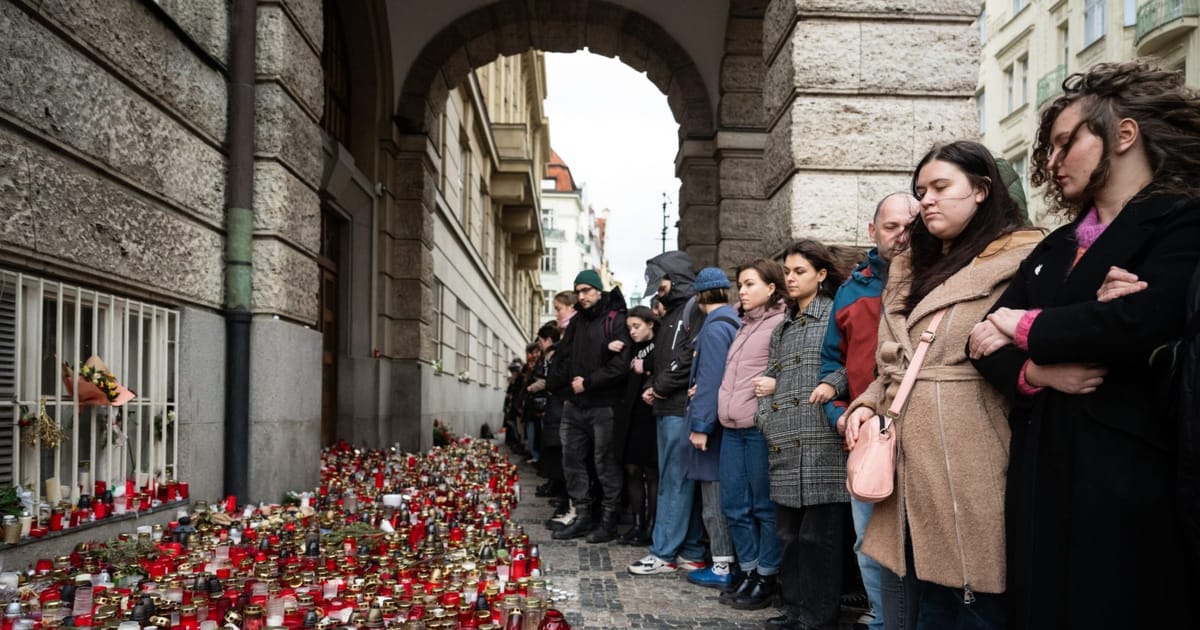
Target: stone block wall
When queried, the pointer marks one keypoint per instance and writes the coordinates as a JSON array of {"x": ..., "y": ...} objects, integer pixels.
[{"x": 853, "y": 98}]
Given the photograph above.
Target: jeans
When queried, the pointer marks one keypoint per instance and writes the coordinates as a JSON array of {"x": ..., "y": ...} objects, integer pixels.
[
  {"x": 910, "y": 603},
  {"x": 719, "y": 544},
  {"x": 584, "y": 429},
  {"x": 532, "y": 437},
  {"x": 867, "y": 566},
  {"x": 677, "y": 531},
  {"x": 746, "y": 500},
  {"x": 810, "y": 579}
]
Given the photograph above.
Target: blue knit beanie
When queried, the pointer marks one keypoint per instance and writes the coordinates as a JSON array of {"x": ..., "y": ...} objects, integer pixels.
[{"x": 710, "y": 278}]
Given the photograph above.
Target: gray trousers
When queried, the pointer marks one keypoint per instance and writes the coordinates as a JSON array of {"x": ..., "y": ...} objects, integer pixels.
[
  {"x": 584, "y": 430},
  {"x": 719, "y": 544}
]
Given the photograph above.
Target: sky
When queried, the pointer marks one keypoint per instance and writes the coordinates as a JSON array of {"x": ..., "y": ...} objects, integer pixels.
[{"x": 613, "y": 128}]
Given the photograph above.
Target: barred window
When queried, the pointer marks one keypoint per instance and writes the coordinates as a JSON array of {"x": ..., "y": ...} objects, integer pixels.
[{"x": 48, "y": 331}]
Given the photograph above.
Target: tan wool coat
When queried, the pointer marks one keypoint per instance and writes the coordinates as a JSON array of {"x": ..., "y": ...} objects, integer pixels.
[{"x": 953, "y": 437}]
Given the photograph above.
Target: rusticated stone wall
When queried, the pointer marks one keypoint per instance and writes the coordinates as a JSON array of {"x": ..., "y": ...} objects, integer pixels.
[{"x": 855, "y": 93}]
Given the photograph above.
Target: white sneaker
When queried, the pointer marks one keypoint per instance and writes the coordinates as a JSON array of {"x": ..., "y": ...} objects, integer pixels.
[
  {"x": 689, "y": 565},
  {"x": 651, "y": 565}
]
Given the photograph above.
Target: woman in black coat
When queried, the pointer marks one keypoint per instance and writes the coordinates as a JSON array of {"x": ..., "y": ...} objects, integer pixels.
[{"x": 1092, "y": 537}]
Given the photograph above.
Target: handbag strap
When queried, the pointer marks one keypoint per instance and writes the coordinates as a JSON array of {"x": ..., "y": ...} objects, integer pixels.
[{"x": 914, "y": 366}]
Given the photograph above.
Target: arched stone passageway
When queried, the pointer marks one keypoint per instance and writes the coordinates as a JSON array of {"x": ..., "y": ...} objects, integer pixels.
[{"x": 795, "y": 117}]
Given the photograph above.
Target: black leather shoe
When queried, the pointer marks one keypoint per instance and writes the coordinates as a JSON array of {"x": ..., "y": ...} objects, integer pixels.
[
  {"x": 738, "y": 588},
  {"x": 578, "y": 529},
  {"x": 634, "y": 533},
  {"x": 758, "y": 594},
  {"x": 605, "y": 530},
  {"x": 779, "y": 622}
]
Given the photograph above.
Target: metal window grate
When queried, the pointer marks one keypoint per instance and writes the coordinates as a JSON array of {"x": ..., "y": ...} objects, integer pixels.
[{"x": 46, "y": 324}]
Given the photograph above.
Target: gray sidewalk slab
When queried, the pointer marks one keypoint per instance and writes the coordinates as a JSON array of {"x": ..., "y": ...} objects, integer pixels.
[{"x": 602, "y": 594}]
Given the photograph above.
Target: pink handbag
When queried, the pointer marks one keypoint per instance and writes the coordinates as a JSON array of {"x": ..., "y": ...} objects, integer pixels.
[{"x": 871, "y": 467}]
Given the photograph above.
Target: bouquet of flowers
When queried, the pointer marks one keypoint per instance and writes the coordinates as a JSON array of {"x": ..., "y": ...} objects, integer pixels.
[
  {"x": 95, "y": 385},
  {"x": 441, "y": 434}
]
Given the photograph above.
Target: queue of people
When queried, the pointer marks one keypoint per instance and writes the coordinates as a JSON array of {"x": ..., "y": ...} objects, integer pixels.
[{"x": 1037, "y": 452}]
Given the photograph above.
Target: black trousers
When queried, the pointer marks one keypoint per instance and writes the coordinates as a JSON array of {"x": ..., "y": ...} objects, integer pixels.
[
  {"x": 587, "y": 429},
  {"x": 810, "y": 576}
]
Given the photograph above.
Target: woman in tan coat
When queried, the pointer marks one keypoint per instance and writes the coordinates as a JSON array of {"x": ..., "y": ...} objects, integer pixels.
[{"x": 940, "y": 536}]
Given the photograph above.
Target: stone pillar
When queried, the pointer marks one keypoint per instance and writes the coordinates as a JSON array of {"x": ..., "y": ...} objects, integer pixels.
[
  {"x": 853, "y": 98},
  {"x": 740, "y": 139},
  {"x": 406, "y": 287},
  {"x": 285, "y": 402},
  {"x": 699, "y": 197}
]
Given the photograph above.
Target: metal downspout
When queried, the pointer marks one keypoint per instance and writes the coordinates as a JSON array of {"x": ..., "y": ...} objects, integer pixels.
[{"x": 239, "y": 223}]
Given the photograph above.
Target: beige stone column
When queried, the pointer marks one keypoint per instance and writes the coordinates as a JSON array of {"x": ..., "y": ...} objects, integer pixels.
[{"x": 854, "y": 95}]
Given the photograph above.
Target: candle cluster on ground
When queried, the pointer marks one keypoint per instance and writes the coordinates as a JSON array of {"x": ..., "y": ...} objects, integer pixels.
[{"x": 387, "y": 540}]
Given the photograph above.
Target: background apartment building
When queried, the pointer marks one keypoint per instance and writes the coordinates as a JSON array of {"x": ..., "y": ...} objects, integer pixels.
[
  {"x": 573, "y": 232},
  {"x": 1030, "y": 46}
]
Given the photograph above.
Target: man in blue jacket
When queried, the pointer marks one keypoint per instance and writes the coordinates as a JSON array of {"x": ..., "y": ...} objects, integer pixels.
[{"x": 848, "y": 354}]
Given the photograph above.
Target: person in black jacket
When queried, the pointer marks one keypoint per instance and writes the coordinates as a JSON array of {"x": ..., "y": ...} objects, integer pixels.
[
  {"x": 1092, "y": 537},
  {"x": 678, "y": 532},
  {"x": 595, "y": 377}
]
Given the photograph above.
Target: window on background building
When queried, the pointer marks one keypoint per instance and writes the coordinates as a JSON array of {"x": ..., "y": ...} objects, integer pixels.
[
  {"x": 463, "y": 345},
  {"x": 1023, "y": 80},
  {"x": 1018, "y": 5},
  {"x": 485, "y": 354},
  {"x": 550, "y": 260},
  {"x": 547, "y": 218},
  {"x": 1010, "y": 90},
  {"x": 1020, "y": 164},
  {"x": 1093, "y": 21},
  {"x": 549, "y": 183},
  {"x": 981, "y": 24},
  {"x": 1130, "y": 13},
  {"x": 435, "y": 327},
  {"x": 447, "y": 333},
  {"x": 1064, "y": 44},
  {"x": 464, "y": 181},
  {"x": 47, "y": 330},
  {"x": 499, "y": 368},
  {"x": 981, "y": 110}
]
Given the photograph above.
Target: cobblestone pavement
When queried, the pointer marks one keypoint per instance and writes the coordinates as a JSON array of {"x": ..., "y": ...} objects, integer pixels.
[{"x": 602, "y": 594}]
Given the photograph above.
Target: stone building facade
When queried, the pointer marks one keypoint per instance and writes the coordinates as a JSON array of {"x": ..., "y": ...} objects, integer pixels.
[
  {"x": 572, "y": 229},
  {"x": 380, "y": 190},
  {"x": 1030, "y": 46}
]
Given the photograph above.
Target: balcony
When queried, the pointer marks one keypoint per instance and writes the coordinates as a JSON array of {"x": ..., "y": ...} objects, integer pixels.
[
  {"x": 1159, "y": 21},
  {"x": 1050, "y": 85}
]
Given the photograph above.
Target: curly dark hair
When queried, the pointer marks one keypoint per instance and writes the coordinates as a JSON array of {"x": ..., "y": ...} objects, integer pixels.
[
  {"x": 770, "y": 272},
  {"x": 932, "y": 261},
  {"x": 1167, "y": 113}
]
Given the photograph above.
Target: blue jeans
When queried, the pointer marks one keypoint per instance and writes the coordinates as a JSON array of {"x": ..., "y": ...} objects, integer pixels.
[
  {"x": 861, "y": 513},
  {"x": 677, "y": 528},
  {"x": 746, "y": 501},
  {"x": 910, "y": 603}
]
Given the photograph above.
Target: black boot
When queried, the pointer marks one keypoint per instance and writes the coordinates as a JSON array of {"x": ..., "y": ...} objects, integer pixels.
[
  {"x": 635, "y": 532},
  {"x": 738, "y": 588},
  {"x": 605, "y": 530},
  {"x": 758, "y": 595},
  {"x": 578, "y": 529}
]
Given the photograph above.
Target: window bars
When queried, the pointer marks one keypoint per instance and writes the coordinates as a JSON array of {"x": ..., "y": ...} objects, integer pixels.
[{"x": 48, "y": 329}]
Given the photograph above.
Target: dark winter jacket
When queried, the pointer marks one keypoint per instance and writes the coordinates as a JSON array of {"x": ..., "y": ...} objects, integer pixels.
[
  {"x": 583, "y": 351},
  {"x": 673, "y": 350},
  {"x": 848, "y": 352},
  {"x": 708, "y": 368},
  {"x": 1187, "y": 382},
  {"x": 1091, "y": 489}
]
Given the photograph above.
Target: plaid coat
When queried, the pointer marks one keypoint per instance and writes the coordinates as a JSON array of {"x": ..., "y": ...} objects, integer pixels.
[{"x": 805, "y": 459}]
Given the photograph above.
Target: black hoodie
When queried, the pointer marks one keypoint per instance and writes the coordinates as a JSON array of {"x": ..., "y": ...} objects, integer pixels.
[
  {"x": 583, "y": 351},
  {"x": 672, "y": 346}
]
